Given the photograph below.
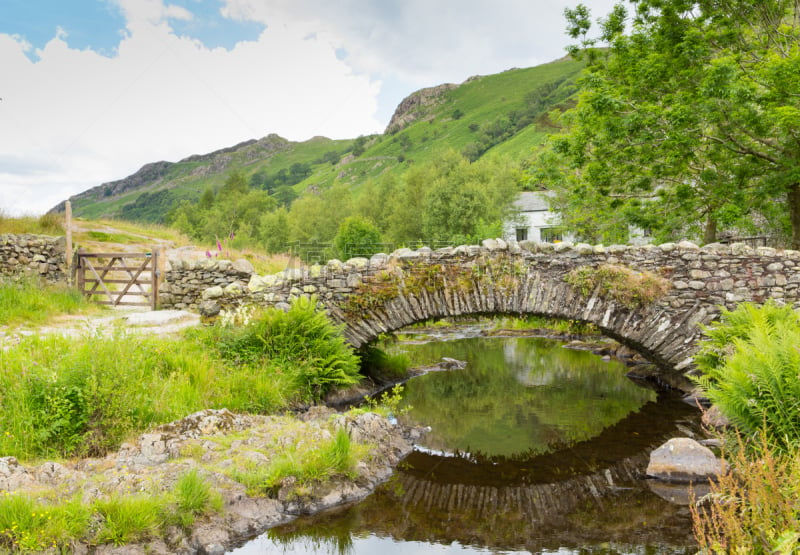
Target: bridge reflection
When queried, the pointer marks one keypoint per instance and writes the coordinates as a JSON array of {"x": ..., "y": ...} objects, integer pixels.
[{"x": 567, "y": 498}]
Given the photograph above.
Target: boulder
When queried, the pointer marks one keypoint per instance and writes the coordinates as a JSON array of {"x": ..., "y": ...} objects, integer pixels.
[
  {"x": 713, "y": 418},
  {"x": 684, "y": 460}
]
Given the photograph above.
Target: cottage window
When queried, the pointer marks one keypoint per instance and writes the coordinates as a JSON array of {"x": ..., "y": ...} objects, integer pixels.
[
  {"x": 522, "y": 234},
  {"x": 550, "y": 235}
]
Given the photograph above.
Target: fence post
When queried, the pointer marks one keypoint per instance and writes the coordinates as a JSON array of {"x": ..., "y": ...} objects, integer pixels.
[
  {"x": 68, "y": 230},
  {"x": 159, "y": 267}
]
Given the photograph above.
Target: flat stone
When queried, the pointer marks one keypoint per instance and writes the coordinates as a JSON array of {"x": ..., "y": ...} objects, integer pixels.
[
  {"x": 158, "y": 317},
  {"x": 685, "y": 460}
]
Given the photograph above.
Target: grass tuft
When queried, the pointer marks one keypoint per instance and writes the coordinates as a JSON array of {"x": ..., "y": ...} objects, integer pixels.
[
  {"x": 131, "y": 518},
  {"x": 195, "y": 497}
]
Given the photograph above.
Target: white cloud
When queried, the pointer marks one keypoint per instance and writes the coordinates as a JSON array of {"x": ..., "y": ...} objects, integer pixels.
[
  {"x": 75, "y": 118},
  {"x": 427, "y": 42}
]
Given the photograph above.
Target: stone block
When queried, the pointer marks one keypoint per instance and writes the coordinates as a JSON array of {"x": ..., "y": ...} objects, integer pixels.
[
  {"x": 358, "y": 263},
  {"x": 213, "y": 293},
  {"x": 244, "y": 266}
]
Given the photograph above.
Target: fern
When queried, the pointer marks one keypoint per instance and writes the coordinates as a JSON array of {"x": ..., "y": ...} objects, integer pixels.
[{"x": 751, "y": 366}]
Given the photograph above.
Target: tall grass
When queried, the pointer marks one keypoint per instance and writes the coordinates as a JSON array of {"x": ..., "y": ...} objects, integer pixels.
[
  {"x": 47, "y": 224},
  {"x": 528, "y": 322},
  {"x": 754, "y": 509},
  {"x": 26, "y": 301},
  {"x": 32, "y": 526},
  {"x": 62, "y": 397}
]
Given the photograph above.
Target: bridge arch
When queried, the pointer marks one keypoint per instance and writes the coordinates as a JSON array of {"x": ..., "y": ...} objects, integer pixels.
[{"x": 387, "y": 292}]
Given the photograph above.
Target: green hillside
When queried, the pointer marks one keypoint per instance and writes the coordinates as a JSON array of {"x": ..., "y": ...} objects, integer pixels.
[{"x": 503, "y": 113}]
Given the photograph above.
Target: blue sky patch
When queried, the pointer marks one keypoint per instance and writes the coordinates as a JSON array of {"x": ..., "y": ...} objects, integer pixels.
[
  {"x": 209, "y": 27},
  {"x": 99, "y": 25},
  {"x": 92, "y": 24}
]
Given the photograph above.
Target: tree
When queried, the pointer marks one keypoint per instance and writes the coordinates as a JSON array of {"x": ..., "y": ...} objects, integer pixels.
[
  {"x": 274, "y": 231},
  {"x": 357, "y": 236},
  {"x": 688, "y": 123},
  {"x": 236, "y": 183},
  {"x": 359, "y": 145}
]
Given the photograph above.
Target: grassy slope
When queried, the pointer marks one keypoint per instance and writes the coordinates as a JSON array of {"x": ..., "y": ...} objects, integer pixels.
[{"x": 480, "y": 101}]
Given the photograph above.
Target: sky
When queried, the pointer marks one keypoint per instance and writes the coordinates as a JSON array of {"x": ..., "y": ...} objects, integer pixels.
[{"x": 91, "y": 90}]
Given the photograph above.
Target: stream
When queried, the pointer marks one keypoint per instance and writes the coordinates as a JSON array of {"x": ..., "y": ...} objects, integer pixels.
[{"x": 533, "y": 448}]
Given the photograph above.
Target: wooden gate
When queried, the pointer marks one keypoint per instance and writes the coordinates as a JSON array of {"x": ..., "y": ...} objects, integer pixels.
[{"x": 116, "y": 277}]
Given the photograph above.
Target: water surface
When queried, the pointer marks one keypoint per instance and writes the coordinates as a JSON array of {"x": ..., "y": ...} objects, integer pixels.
[{"x": 534, "y": 448}]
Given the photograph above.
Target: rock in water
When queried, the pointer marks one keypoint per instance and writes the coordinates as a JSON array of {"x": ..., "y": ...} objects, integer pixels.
[
  {"x": 685, "y": 460},
  {"x": 452, "y": 364}
]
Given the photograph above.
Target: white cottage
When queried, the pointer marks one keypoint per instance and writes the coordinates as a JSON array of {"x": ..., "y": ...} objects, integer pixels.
[{"x": 534, "y": 220}]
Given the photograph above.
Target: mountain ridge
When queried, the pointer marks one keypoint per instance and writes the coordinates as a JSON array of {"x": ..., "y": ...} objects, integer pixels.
[{"x": 504, "y": 112}]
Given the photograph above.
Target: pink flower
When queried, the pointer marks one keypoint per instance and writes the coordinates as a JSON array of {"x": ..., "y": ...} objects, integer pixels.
[{"x": 208, "y": 254}]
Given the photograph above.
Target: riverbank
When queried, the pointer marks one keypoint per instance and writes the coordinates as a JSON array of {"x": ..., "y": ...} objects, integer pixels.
[{"x": 230, "y": 452}]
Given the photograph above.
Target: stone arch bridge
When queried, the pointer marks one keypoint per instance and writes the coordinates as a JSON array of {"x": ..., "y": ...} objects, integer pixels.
[{"x": 672, "y": 288}]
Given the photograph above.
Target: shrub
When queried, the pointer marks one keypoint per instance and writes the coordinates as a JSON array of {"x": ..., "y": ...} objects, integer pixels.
[
  {"x": 357, "y": 236},
  {"x": 628, "y": 287},
  {"x": 750, "y": 365},
  {"x": 301, "y": 342}
]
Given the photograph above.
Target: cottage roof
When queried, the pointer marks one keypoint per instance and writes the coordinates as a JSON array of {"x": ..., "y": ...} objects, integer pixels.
[{"x": 536, "y": 201}]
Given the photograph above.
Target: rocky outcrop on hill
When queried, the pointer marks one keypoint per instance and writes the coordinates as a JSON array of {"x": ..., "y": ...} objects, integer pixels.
[
  {"x": 416, "y": 106},
  {"x": 159, "y": 174}
]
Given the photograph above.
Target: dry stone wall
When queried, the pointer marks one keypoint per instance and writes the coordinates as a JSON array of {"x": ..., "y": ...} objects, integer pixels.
[
  {"x": 39, "y": 255},
  {"x": 387, "y": 292},
  {"x": 185, "y": 282}
]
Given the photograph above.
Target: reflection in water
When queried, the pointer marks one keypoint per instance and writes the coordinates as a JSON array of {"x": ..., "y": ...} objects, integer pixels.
[
  {"x": 518, "y": 397},
  {"x": 557, "y": 442}
]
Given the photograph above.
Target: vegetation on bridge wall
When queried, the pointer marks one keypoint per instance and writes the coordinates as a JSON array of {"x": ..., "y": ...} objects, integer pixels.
[
  {"x": 503, "y": 273},
  {"x": 630, "y": 288}
]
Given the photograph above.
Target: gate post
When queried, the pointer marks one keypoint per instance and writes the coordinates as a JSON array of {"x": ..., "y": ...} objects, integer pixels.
[
  {"x": 68, "y": 247},
  {"x": 79, "y": 272}
]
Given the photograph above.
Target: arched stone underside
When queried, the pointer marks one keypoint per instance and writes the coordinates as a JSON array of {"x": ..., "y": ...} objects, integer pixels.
[{"x": 387, "y": 292}]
